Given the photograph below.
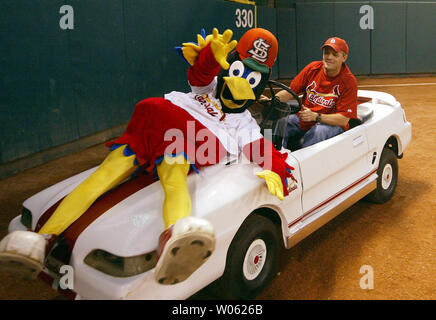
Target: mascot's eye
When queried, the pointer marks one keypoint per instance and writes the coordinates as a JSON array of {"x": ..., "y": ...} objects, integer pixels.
[
  {"x": 236, "y": 69},
  {"x": 254, "y": 78}
]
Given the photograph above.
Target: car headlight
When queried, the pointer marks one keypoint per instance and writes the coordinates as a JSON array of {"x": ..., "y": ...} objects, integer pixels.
[
  {"x": 121, "y": 266},
  {"x": 26, "y": 218}
]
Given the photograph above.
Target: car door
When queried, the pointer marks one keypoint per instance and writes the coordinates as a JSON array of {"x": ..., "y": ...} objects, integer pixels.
[{"x": 331, "y": 167}]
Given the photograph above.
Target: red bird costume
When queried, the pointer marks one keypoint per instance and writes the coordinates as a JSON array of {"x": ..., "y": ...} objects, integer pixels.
[
  {"x": 198, "y": 128},
  {"x": 154, "y": 117}
]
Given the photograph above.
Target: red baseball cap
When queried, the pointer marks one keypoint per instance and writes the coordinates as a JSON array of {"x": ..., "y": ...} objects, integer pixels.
[
  {"x": 260, "y": 45},
  {"x": 337, "y": 44}
]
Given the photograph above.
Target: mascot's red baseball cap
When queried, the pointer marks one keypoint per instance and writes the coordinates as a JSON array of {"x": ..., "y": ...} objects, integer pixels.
[
  {"x": 260, "y": 45},
  {"x": 338, "y": 44}
]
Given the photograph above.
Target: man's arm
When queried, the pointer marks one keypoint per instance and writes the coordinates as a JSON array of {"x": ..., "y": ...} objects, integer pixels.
[
  {"x": 346, "y": 108},
  {"x": 284, "y": 96},
  {"x": 298, "y": 85},
  {"x": 347, "y": 104},
  {"x": 334, "y": 119}
]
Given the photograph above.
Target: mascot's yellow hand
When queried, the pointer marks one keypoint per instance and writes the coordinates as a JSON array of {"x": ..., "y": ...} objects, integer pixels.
[
  {"x": 192, "y": 50},
  {"x": 221, "y": 46},
  {"x": 273, "y": 181}
]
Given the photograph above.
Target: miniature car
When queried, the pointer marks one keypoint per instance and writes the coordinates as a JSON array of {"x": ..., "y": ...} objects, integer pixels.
[{"x": 112, "y": 247}]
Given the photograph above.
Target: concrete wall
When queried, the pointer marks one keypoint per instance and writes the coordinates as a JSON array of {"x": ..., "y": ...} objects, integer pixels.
[{"x": 403, "y": 38}]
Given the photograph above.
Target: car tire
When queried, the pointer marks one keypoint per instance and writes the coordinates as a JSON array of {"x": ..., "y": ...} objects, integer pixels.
[
  {"x": 387, "y": 178},
  {"x": 251, "y": 259}
]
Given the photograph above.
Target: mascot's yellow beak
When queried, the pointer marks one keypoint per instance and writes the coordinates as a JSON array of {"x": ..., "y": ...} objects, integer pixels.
[{"x": 240, "y": 90}]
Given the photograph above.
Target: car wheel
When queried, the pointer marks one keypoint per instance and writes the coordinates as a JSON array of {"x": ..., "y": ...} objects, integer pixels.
[
  {"x": 251, "y": 259},
  {"x": 387, "y": 178}
]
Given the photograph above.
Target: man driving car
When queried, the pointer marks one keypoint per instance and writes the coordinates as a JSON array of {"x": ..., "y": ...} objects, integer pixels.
[{"x": 329, "y": 98}]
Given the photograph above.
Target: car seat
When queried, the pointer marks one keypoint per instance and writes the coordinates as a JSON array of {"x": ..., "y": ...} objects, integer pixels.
[{"x": 363, "y": 114}]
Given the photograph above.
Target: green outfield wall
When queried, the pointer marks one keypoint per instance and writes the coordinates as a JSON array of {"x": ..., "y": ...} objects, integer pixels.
[{"x": 71, "y": 78}]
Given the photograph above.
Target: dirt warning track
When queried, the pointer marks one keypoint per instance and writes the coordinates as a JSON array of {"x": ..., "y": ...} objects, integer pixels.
[{"x": 395, "y": 240}]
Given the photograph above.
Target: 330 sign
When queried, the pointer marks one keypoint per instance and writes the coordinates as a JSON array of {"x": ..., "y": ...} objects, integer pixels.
[{"x": 244, "y": 18}]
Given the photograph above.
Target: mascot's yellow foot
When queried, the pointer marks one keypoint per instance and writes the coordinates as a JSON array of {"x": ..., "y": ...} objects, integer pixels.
[
  {"x": 22, "y": 253},
  {"x": 183, "y": 248}
]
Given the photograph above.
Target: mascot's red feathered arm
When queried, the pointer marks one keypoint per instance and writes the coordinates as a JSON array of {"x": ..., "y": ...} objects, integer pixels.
[
  {"x": 204, "y": 69},
  {"x": 276, "y": 170}
]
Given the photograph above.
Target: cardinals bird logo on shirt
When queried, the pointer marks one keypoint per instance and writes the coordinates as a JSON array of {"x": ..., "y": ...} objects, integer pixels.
[{"x": 327, "y": 100}]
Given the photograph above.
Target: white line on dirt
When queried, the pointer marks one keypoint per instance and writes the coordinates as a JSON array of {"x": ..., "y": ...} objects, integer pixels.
[
  {"x": 398, "y": 85},
  {"x": 387, "y": 85}
]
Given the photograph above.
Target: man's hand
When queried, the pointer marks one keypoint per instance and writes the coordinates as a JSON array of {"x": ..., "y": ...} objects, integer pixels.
[
  {"x": 263, "y": 98},
  {"x": 307, "y": 115},
  {"x": 332, "y": 119}
]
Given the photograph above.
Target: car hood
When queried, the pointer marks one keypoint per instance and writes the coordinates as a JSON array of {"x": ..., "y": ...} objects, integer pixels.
[{"x": 127, "y": 221}]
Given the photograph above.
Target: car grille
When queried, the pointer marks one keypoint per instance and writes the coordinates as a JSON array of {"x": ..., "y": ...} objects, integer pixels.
[{"x": 58, "y": 256}]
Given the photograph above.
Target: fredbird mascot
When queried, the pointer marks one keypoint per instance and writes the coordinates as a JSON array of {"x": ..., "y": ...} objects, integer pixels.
[{"x": 224, "y": 83}]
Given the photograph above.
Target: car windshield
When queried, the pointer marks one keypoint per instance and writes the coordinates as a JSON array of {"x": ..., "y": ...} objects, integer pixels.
[{"x": 272, "y": 120}]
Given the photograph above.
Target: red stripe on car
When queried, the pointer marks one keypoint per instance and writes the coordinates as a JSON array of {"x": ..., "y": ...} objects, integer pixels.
[{"x": 330, "y": 199}]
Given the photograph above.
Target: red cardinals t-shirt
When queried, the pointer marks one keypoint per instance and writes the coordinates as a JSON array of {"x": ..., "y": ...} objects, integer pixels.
[{"x": 325, "y": 94}]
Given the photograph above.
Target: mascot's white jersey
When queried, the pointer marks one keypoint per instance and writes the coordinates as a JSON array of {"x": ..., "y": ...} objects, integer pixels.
[{"x": 234, "y": 130}]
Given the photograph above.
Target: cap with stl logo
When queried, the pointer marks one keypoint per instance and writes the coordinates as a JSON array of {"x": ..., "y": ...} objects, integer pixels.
[
  {"x": 338, "y": 44},
  {"x": 260, "y": 45}
]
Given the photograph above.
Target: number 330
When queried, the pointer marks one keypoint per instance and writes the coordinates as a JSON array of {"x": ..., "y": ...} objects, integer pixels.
[{"x": 244, "y": 18}]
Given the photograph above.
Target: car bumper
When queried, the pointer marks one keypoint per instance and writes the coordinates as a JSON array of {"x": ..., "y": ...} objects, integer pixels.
[
  {"x": 405, "y": 137},
  {"x": 93, "y": 284}
]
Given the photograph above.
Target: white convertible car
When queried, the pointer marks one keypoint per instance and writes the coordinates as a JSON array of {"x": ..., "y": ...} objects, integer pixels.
[{"x": 112, "y": 248}]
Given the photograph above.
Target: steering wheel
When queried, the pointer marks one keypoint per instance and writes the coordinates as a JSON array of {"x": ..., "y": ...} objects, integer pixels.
[
  {"x": 288, "y": 108},
  {"x": 275, "y": 113}
]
